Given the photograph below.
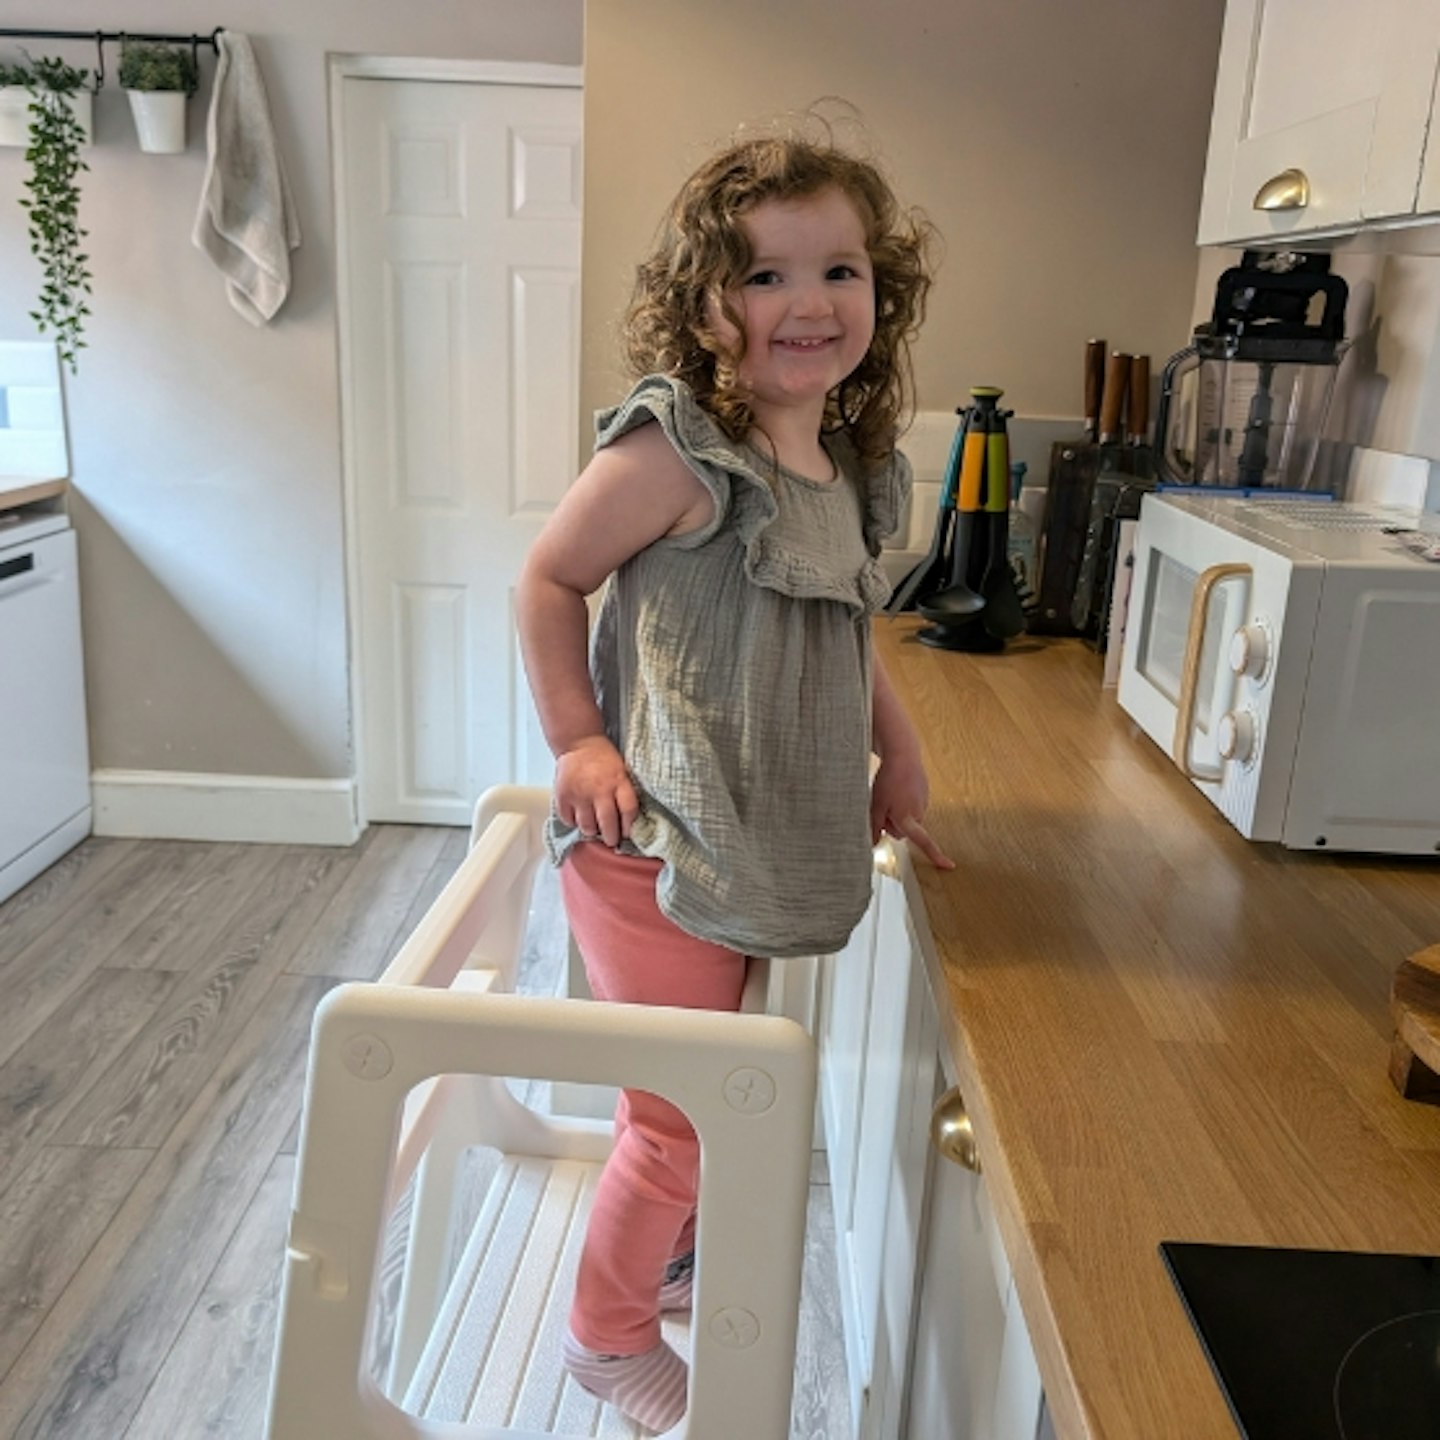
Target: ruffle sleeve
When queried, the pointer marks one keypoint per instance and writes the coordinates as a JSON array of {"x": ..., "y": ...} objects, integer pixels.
[
  {"x": 741, "y": 497},
  {"x": 887, "y": 490},
  {"x": 745, "y": 501}
]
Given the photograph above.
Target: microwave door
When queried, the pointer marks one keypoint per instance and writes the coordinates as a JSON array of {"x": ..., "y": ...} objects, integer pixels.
[{"x": 1154, "y": 665}]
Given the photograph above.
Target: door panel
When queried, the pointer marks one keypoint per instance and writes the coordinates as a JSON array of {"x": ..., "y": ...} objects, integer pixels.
[
  {"x": 1339, "y": 89},
  {"x": 461, "y": 312}
]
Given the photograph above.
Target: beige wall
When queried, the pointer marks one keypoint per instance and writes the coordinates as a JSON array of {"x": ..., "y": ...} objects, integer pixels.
[
  {"x": 1058, "y": 147},
  {"x": 206, "y": 454}
]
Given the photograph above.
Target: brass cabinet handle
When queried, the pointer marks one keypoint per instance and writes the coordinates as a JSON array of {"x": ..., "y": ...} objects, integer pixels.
[
  {"x": 1289, "y": 190},
  {"x": 951, "y": 1132},
  {"x": 1190, "y": 674}
]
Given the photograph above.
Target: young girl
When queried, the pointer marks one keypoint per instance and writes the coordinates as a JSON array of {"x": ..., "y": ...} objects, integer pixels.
[{"x": 712, "y": 786}]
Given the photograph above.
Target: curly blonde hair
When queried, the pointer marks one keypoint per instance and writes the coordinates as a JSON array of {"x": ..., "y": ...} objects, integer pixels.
[{"x": 702, "y": 252}]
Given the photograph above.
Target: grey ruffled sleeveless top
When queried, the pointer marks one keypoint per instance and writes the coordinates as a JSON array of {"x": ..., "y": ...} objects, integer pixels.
[{"x": 732, "y": 668}]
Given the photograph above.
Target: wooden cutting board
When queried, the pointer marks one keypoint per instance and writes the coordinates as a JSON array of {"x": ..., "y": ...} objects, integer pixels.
[{"x": 1415, "y": 1007}]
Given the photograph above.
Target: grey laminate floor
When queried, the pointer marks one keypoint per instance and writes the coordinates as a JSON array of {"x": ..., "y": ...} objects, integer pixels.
[{"x": 153, "y": 1030}]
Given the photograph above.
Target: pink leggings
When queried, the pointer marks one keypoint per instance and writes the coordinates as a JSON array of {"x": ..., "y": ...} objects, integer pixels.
[{"x": 645, "y": 1202}]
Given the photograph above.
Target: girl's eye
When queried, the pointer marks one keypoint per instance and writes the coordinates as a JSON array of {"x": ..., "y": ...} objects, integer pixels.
[
  {"x": 842, "y": 272},
  {"x": 763, "y": 277}
]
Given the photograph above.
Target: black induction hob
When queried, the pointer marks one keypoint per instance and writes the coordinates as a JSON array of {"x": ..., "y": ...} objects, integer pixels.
[{"x": 1317, "y": 1344}]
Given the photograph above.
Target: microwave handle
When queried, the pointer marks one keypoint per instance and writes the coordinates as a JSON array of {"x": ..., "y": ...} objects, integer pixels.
[{"x": 1190, "y": 674}]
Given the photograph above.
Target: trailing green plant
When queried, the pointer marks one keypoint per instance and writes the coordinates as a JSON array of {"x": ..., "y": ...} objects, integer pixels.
[
  {"x": 53, "y": 203},
  {"x": 154, "y": 65}
]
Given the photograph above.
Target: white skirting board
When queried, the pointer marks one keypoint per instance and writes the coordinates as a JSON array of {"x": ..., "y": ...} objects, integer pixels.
[{"x": 264, "y": 809}]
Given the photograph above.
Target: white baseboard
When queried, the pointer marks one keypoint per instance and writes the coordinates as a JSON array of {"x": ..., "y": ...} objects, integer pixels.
[{"x": 266, "y": 809}]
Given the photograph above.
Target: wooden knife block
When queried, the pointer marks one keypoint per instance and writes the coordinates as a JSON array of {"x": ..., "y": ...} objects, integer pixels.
[
  {"x": 1074, "y": 464},
  {"x": 1415, "y": 1007}
]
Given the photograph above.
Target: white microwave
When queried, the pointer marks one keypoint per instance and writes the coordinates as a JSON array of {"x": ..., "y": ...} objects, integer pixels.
[{"x": 1286, "y": 654}]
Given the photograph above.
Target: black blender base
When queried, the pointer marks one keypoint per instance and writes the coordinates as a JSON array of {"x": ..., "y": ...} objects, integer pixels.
[{"x": 968, "y": 635}]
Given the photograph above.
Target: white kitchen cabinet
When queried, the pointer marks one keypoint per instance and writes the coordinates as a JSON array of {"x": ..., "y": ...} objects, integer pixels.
[
  {"x": 935, "y": 1342},
  {"x": 1338, "y": 90},
  {"x": 973, "y": 1371}
]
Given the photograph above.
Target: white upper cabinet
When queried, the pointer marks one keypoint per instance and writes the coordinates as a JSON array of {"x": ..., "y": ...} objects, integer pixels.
[{"x": 1321, "y": 113}]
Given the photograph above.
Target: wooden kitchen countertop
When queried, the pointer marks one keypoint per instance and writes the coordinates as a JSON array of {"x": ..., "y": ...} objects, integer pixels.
[{"x": 1161, "y": 1030}]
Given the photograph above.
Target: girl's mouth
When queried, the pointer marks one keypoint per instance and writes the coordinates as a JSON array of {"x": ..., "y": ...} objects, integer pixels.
[{"x": 817, "y": 343}]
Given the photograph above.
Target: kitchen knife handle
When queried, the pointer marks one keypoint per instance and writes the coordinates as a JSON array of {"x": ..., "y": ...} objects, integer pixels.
[
  {"x": 1117, "y": 381},
  {"x": 1137, "y": 404},
  {"x": 1094, "y": 385},
  {"x": 1190, "y": 671}
]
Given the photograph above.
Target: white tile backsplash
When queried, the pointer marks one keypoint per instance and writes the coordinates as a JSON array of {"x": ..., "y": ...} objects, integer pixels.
[
  {"x": 32, "y": 435},
  {"x": 1381, "y": 477}
]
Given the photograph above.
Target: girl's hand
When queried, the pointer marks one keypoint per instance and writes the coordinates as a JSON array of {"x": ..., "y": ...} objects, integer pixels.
[
  {"x": 898, "y": 800},
  {"x": 593, "y": 790}
]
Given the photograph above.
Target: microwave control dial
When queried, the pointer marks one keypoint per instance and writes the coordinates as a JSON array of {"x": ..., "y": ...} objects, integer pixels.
[
  {"x": 1250, "y": 649},
  {"x": 1236, "y": 734}
]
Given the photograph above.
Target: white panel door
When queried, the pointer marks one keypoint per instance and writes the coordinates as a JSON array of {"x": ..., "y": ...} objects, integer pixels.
[{"x": 461, "y": 212}]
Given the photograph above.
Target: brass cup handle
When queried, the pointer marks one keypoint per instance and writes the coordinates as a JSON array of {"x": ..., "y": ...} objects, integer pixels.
[
  {"x": 1289, "y": 190},
  {"x": 951, "y": 1132},
  {"x": 1190, "y": 671}
]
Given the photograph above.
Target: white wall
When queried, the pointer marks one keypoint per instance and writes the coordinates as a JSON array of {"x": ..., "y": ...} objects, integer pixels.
[{"x": 206, "y": 454}]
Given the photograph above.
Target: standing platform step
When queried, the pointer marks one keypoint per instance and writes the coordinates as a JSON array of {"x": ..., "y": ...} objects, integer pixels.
[
  {"x": 493, "y": 1356},
  {"x": 407, "y": 1074}
]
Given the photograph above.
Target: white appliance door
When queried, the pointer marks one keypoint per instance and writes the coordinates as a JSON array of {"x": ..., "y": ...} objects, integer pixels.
[
  {"x": 1211, "y": 683},
  {"x": 1367, "y": 772},
  {"x": 44, "y": 749}
]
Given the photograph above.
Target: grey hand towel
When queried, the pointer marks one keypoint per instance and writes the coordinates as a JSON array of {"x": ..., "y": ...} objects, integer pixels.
[{"x": 246, "y": 223}]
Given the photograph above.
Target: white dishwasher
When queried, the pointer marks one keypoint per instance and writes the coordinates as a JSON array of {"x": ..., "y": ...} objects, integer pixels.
[{"x": 44, "y": 747}]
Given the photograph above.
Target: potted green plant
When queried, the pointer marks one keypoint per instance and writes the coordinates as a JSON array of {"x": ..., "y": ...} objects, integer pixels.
[
  {"x": 20, "y": 84},
  {"x": 58, "y": 110},
  {"x": 159, "y": 79}
]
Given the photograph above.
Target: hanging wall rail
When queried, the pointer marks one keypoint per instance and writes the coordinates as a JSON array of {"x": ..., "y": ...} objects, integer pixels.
[
  {"x": 100, "y": 37},
  {"x": 212, "y": 40}
]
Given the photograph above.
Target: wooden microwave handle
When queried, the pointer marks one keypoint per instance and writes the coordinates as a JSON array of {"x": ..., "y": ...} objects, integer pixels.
[{"x": 1190, "y": 673}]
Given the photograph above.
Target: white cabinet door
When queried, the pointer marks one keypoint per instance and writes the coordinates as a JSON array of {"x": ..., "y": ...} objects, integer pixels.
[
  {"x": 844, "y": 1022},
  {"x": 935, "y": 1342},
  {"x": 878, "y": 1036},
  {"x": 891, "y": 1201},
  {"x": 1337, "y": 89},
  {"x": 973, "y": 1373}
]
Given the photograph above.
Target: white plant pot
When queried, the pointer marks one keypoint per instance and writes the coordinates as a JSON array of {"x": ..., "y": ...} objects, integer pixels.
[
  {"x": 15, "y": 114},
  {"x": 159, "y": 120}
]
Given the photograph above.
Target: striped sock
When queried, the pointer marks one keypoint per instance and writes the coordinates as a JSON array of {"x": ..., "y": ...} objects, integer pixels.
[
  {"x": 679, "y": 1286},
  {"x": 649, "y": 1388}
]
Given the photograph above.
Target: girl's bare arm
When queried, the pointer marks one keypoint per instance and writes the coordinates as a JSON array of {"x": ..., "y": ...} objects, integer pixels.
[
  {"x": 901, "y": 793},
  {"x": 633, "y": 492}
]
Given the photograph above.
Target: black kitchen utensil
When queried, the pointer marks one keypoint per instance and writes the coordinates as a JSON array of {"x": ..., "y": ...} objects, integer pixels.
[
  {"x": 957, "y": 601},
  {"x": 956, "y": 613},
  {"x": 930, "y": 574},
  {"x": 1003, "y": 616}
]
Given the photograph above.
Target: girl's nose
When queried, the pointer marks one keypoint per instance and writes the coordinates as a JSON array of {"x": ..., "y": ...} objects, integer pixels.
[{"x": 813, "y": 301}]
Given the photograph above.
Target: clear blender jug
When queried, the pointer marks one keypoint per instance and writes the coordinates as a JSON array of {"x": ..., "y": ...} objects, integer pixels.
[{"x": 1244, "y": 404}]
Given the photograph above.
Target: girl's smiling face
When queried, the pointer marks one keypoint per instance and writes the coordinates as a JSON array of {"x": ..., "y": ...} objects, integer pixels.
[{"x": 807, "y": 301}]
